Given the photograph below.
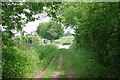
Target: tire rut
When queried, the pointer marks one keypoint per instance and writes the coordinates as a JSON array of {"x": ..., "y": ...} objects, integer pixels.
[{"x": 40, "y": 74}]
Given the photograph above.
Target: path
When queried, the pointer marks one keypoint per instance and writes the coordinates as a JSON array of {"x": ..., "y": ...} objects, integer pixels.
[
  {"x": 40, "y": 74},
  {"x": 57, "y": 72}
]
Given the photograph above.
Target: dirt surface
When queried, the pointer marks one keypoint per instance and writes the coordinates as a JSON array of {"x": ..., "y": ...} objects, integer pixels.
[
  {"x": 40, "y": 74},
  {"x": 57, "y": 72}
]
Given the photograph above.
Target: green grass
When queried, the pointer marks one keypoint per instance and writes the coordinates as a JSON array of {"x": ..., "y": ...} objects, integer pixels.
[
  {"x": 86, "y": 63},
  {"x": 52, "y": 67},
  {"x": 82, "y": 62},
  {"x": 27, "y": 59},
  {"x": 30, "y": 60},
  {"x": 64, "y": 63},
  {"x": 65, "y": 39},
  {"x": 45, "y": 54}
]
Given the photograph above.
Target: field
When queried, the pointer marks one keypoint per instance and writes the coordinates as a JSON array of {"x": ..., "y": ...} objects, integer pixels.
[{"x": 65, "y": 40}]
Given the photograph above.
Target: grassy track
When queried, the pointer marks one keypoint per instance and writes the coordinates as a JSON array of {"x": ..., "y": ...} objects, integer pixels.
[
  {"x": 76, "y": 62},
  {"x": 52, "y": 67}
]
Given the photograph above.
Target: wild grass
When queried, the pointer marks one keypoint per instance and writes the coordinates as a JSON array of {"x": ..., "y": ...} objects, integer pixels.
[
  {"x": 52, "y": 67},
  {"x": 25, "y": 60},
  {"x": 82, "y": 62}
]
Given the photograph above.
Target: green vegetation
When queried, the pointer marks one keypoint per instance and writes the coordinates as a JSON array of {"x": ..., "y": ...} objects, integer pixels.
[
  {"x": 64, "y": 40},
  {"x": 95, "y": 49},
  {"x": 66, "y": 44},
  {"x": 87, "y": 65},
  {"x": 50, "y": 31},
  {"x": 97, "y": 30},
  {"x": 52, "y": 67},
  {"x": 25, "y": 62}
]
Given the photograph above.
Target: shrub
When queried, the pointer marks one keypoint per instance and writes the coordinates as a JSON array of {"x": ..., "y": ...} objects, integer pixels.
[
  {"x": 25, "y": 63},
  {"x": 20, "y": 64},
  {"x": 66, "y": 43}
]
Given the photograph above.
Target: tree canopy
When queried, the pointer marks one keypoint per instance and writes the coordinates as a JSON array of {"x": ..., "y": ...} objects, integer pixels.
[
  {"x": 97, "y": 29},
  {"x": 50, "y": 30}
]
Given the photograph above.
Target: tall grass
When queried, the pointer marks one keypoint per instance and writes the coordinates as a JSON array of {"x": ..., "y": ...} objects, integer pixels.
[
  {"x": 52, "y": 67},
  {"x": 82, "y": 62},
  {"x": 46, "y": 53},
  {"x": 25, "y": 62}
]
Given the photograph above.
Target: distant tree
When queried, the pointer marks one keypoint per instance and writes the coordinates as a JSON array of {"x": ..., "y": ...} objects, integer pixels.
[{"x": 50, "y": 31}]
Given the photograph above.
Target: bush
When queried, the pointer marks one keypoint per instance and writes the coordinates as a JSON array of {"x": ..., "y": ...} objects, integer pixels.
[
  {"x": 20, "y": 64},
  {"x": 47, "y": 52},
  {"x": 25, "y": 63},
  {"x": 84, "y": 62},
  {"x": 66, "y": 43},
  {"x": 97, "y": 30}
]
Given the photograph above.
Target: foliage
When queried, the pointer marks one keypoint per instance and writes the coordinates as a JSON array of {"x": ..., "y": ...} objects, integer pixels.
[
  {"x": 50, "y": 31},
  {"x": 53, "y": 66},
  {"x": 83, "y": 62},
  {"x": 66, "y": 44},
  {"x": 12, "y": 20},
  {"x": 97, "y": 29},
  {"x": 20, "y": 64},
  {"x": 96, "y": 26},
  {"x": 64, "y": 39},
  {"x": 25, "y": 63}
]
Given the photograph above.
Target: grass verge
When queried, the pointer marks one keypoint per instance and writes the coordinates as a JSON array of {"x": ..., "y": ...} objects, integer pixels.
[{"x": 82, "y": 62}]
